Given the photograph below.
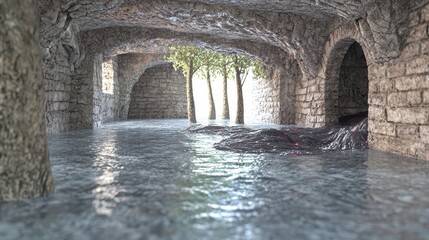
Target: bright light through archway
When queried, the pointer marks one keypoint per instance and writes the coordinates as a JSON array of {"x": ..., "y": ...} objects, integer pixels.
[{"x": 202, "y": 103}]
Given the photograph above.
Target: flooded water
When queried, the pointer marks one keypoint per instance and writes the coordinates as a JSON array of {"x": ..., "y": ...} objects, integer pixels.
[
  {"x": 153, "y": 180},
  {"x": 289, "y": 140}
]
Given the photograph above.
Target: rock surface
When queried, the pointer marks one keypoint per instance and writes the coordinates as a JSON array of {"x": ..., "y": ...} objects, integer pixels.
[{"x": 24, "y": 161}]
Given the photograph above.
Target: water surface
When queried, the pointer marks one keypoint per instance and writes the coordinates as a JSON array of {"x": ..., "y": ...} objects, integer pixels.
[{"x": 153, "y": 180}]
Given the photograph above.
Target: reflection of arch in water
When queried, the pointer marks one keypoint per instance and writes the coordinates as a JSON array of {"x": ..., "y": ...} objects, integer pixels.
[{"x": 346, "y": 83}]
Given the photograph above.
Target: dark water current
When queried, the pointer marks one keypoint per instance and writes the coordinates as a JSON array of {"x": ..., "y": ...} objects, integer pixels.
[
  {"x": 153, "y": 180},
  {"x": 291, "y": 140}
]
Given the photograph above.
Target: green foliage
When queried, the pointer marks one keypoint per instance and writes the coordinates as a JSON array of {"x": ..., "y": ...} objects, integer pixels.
[
  {"x": 183, "y": 55},
  {"x": 259, "y": 70},
  {"x": 208, "y": 61},
  {"x": 223, "y": 65},
  {"x": 244, "y": 64},
  {"x": 219, "y": 64}
]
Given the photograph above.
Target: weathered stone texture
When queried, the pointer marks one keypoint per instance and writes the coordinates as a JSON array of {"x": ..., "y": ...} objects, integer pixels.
[
  {"x": 131, "y": 67},
  {"x": 407, "y": 106},
  {"x": 58, "y": 74},
  {"x": 24, "y": 161},
  {"x": 398, "y": 91},
  {"x": 275, "y": 96},
  {"x": 303, "y": 86},
  {"x": 160, "y": 93}
]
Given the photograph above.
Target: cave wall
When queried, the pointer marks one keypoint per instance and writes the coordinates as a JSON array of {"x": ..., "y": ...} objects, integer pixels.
[
  {"x": 398, "y": 95},
  {"x": 159, "y": 93}
]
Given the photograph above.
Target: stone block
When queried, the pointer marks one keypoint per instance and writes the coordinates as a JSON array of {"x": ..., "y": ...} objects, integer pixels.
[
  {"x": 426, "y": 96},
  {"x": 395, "y": 70},
  {"x": 410, "y": 83},
  {"x": 383, "y": 128},
  {"x": 424, "y": 134},
  {"x": 377, "y": 113},
  {"x": 418, "y": 65},
  {"x": 407, "y": 131},
  {"x": 397, "y": 99},
  {"x": 408, "y": 115},
  {"x": 377, "y": 99},
  {"x": 385, "y": 86},
  {"x": 414, "y": 98},
  {"x": 411, "y": 50}
]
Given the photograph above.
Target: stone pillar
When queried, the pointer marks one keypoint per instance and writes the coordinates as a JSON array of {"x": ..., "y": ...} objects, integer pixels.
[{"x": 24, "y": 161}]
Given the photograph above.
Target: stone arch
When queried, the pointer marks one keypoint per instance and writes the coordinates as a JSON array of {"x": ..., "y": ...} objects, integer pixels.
[
  {"x": 116, "y": 42},
  {"x": 334, "y": 67},
  {"x": 130, "y": 77},
  {"x": 160, "y": 92}
]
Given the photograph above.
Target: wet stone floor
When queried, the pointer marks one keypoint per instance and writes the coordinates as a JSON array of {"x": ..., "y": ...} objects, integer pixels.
[{"x": 152, "y": 180}]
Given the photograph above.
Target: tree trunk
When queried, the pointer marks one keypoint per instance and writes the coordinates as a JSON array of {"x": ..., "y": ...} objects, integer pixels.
[
  {"x": 24, "y": 160},
  {"x": 240, "y": 106},
  {"x": 225, "y": 105},
  {"x": 212, "y": 109},
  {"x": 190, "y": 94}
]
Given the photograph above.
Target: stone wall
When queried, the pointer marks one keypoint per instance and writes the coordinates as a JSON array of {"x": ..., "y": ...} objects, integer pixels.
[
  {"x": 131, "y": 67},
  {"x": 160, "y": 93},
  {"x": 398, "y": 91},
  {"x": 275, "y": 96},
  {"x": 24, "y": 161},
  {"x": 399, "y": 95},
  {"x": 58, "y": 75}
]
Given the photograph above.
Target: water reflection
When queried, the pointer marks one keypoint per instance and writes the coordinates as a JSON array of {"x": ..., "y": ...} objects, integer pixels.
[
  {"x": 152, "y": 180},
  {"x": 106, "y": 163},
  {"x": 221, "y": 190}
]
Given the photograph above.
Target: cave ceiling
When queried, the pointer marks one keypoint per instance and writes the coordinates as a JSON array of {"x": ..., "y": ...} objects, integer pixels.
[{"x": 299, "y": 27}]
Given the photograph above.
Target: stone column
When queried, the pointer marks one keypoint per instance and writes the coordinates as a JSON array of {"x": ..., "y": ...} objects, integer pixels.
[{"x": 24, "y": 161}]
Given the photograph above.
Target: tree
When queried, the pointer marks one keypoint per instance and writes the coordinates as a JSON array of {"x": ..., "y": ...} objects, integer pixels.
[
  {"x": 242, "y": 66},
  {"x": 223, "y": 67},
  {"x": 188, "y": 59},
  {"x": 209, "y": 59}
]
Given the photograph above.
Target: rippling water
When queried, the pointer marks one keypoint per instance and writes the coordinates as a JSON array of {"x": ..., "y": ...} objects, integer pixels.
[{"x": 152, "y": 180}]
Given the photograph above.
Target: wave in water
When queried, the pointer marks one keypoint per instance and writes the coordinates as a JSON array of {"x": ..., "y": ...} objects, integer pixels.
[{"x": 290, "y": 140}]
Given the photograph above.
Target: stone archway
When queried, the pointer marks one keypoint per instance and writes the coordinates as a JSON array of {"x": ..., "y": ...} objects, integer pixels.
[
  {"x": 159, "y": 93},
  {"x": 346, "y": 83}
]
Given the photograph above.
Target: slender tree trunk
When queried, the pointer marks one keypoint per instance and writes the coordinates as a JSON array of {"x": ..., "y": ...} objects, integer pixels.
[
  {"x": 190, "y": 94},
  {"x": 225, "y": 105},
  {"x": 240, "y": 106},
  {"x": 212, "y": 109}
]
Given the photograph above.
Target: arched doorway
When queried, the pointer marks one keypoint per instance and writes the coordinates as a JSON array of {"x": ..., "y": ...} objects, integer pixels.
[{"x": 346, "y": 83}]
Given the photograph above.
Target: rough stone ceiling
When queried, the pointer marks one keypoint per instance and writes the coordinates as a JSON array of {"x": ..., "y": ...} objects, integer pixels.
[
  {"x": 321, "y": 9},
  {"x": 297, "y": 26}
]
